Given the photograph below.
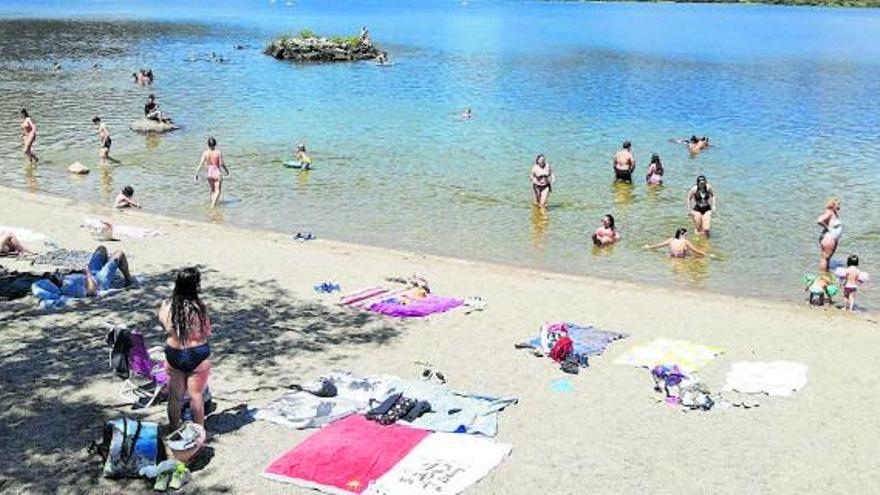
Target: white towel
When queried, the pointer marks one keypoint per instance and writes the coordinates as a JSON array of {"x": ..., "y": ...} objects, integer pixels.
[{"x": 775, "y": 378}]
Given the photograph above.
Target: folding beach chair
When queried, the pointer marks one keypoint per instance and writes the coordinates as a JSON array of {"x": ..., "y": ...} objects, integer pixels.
[{"x": 146, "y": 376}]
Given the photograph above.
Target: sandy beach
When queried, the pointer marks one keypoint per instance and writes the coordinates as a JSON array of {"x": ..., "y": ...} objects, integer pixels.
[{"x": 610, "y": 435}]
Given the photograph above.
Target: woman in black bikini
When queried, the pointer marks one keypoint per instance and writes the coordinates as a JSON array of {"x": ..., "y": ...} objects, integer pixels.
[
  {"x": 542, "y": 180},
  {"x": 186, "y": 322},
  {"x": 701, "y": 202}
]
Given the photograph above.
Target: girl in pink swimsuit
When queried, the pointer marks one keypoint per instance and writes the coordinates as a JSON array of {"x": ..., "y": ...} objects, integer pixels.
[{"x": 213, "y": 159}]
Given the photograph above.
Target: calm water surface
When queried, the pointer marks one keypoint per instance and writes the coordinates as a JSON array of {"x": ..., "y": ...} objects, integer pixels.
[{"x": 788, "y": 95}]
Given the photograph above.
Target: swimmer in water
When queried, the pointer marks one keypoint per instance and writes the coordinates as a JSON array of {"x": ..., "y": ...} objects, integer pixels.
[
  {"x": 124, "y": 200},
  {"x": 467, "y": 115},
  {"x": 696, "y": 145},
  {"x": 655, "y": 171},
  {"x": 103, "y": 138},
  {"x": 382, "y": 58},
  {"x": 28, "y": 136},
  {"x": 213, "y": 159},
  {"x": 606, "y": 234},
  {"x": 832, "y": 230},
  {"x": 302, "y": 156},
  {"x": 624, "y": 163},
  {"x": 701, "y": 202},
  {"x": 679, "y": 246},
  {"x": 542, "y": 180}
]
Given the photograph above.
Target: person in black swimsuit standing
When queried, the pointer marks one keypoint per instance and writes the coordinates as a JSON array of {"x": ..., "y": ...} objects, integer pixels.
[
  {"x": 701, "y": 202},
  {"x": 624, "y": 163}
]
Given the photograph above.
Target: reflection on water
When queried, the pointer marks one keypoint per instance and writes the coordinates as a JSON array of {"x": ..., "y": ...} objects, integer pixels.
[
  {"x": 393, "y": 169},
  {"x": 540, "y": 222}
]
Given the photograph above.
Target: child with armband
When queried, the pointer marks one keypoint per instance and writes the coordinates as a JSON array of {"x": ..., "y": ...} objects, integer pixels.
[
  {"x": 818, "y": 289},
  {"x": 851, "y": 278}
]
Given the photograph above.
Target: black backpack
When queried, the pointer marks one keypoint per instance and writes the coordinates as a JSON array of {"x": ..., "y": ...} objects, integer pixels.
[{"x": 119, "y": 339}]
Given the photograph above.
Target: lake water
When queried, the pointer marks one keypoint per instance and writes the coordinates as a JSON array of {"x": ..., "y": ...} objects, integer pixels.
[{"x": 789, "y": 97}]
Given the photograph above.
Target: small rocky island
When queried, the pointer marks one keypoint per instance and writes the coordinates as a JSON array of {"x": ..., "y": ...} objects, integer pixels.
[{"x": 309, "y": 47}]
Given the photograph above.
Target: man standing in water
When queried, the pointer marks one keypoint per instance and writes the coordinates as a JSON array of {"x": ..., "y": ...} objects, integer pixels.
[{"x": 624, "y": 163}]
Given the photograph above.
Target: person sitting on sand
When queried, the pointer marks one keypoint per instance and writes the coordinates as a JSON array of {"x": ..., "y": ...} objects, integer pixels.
[
  {"x": 542, "y": 181},
  {"x": 302, "y": 157},
  {"x": 213, "y": 159},
  {"x": 124, "y": 199},
  {"x": 654, "y": 176},
  {"x": 11, "y": 246},
  {"x": 187, "y": 353},
  {"x": 152, "y": 111},
  {"x": 624, "y": 163},
  {"x": 701, "y": 202},
  {"x": 606, "y": 234},
  {"x": 103, "y": 138},
  {"x": 100, "y": 274},
  {"x": 679, "y": 246}
]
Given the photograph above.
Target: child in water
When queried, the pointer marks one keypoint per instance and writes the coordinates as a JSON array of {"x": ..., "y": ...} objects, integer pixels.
[
  {"x": 850, "y": 277},
  {"x": 819, "y": 288},
  {"x": 124, "y": 199},
  {"x": 302, "y": 156}
]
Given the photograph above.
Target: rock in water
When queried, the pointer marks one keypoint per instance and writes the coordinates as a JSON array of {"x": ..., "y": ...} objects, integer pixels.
[
  {"x": 147, "y": 125},
  {"x": 317, "y": 49},
  {"x": 78, "y": 168}
]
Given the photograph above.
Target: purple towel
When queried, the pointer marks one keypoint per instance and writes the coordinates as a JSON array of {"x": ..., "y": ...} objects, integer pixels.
[{"x": 415, "y": 308}]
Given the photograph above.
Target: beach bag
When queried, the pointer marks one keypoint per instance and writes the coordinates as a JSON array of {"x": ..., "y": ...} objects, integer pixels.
[
  {"x": 550, "y": 333},
  {"x": 562, "y": 348},
  {"x": 127, "y": 445},
  {"x": 391, "y": 409}
]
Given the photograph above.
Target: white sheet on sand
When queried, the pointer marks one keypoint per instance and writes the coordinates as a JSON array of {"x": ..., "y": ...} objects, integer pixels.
[
  {"x": 23, "y": 235},
  {"x": 441, "y": 464},
  {"x": 129, "y": 231},
  {"x": 775, "y": 378},
  {"x": 300, "y": 409},
  {"x": 689, "y": 356}
]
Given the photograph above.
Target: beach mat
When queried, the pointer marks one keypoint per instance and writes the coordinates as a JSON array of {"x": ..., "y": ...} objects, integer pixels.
[
  {"x": 689, "y": 356},
  {"x": 358, "y": 456},
  {"x": 441, "y": 464},
  {"x": 775, "y": 378},
  {"x": 400, "y": 303},
  {"x": 345, "y": 457}
]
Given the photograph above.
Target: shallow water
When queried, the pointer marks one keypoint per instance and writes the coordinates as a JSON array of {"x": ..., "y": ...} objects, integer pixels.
[{"x": 788, "y": 96}]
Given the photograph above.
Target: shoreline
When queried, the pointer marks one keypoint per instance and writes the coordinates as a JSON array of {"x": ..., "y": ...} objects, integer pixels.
[
  {"x": 272, "y": 330},
  {"x": 334, "y": 245}
]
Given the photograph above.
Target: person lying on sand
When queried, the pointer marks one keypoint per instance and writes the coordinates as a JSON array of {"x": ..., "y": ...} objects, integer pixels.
[
  {"x": 11, "y": 246},
  {"x": 124, "y": 199},
  {"x": 100, "y": 274},
  {"x": 679, "y": 247}
]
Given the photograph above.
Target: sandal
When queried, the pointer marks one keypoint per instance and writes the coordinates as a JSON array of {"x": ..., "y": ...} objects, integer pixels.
[{"x": 179, "y": 477}]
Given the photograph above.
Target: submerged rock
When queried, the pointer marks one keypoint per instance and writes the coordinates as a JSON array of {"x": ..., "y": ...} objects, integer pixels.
[
  {"x": 147, "y": 125},
  {"x": 318, "y": 49}
]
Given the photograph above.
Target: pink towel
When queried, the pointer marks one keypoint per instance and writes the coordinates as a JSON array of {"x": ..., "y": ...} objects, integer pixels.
[{"x": 346, "y": 456}]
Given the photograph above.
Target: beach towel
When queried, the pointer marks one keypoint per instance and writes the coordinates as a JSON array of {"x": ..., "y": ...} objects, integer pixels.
[
  {"x": 451, "y": 411},
  {"x": 400, "y": 303},
  {"x": 587, "y": 340},
  {"x": 775, "y": 378},
  {"x": 346, "y": 456},
  {"x": 406, "y": 306},
  {"x": 441, "y": 464},
  {"x": 301, "y": 409},
  {"x": 689, "y": 356},
  {"x": 133, "y": 232},
  {"x": 23, "y": 235}
]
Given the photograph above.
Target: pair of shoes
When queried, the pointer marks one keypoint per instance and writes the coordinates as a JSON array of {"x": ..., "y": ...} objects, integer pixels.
[
  {"x": 428, "y": 373},
  {"x": 308, "y": 236}
]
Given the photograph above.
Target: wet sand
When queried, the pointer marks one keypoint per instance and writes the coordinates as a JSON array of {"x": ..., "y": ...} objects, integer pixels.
[{"x": 610, "y": 435}]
